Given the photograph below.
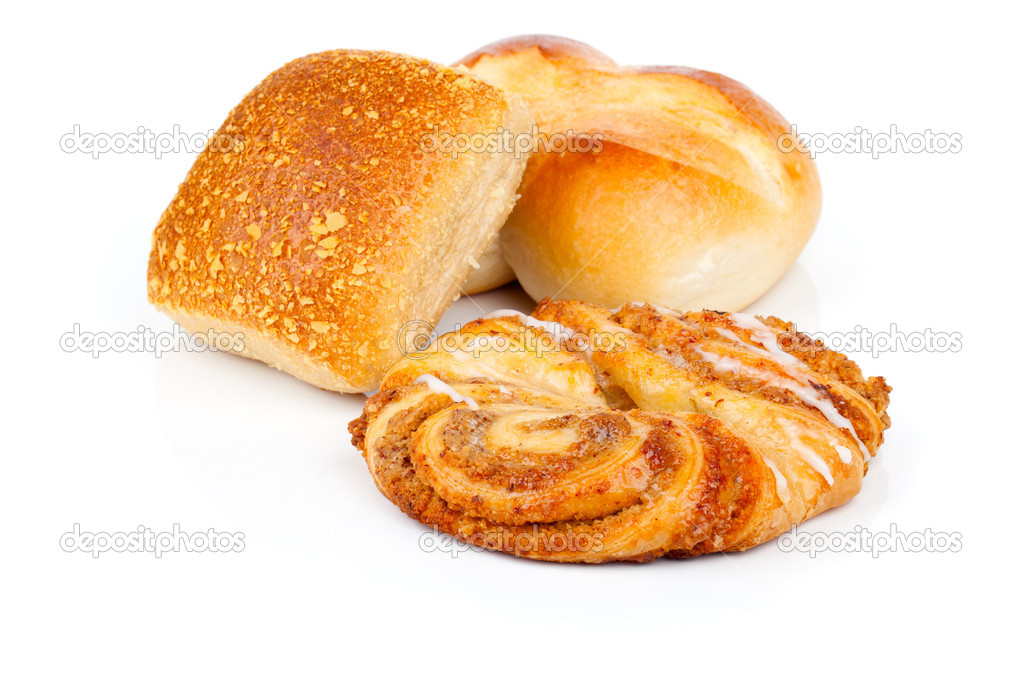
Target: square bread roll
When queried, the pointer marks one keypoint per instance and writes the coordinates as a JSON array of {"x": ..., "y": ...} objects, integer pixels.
[{"x": 323, "y": 218}]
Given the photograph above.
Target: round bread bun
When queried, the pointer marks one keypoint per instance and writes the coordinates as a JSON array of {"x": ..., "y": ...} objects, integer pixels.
[
  {"x": 660, "y": 184},
  {"x": 492, "y": 271}
]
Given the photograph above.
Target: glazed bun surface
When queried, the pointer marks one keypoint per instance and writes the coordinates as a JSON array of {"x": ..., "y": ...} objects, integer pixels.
[{"x": 684, "y": 197}]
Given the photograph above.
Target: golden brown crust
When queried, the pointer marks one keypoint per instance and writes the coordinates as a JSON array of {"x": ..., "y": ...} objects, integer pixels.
[
  {"x": 567, "y": 52},
  {"x": 730, "y": 440},
  {"x": 686, "y": 201},
  {"x": 553, "y": 48},
  {"x": 330, "y": 226}
]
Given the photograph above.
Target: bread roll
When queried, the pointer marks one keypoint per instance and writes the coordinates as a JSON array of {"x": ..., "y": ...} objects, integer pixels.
[
  {"x": 646, "y": 431},
  {"x": 332, "y": 225},
  {"x": 493, "y": 270},
  {"x": 685, "y": 199}
]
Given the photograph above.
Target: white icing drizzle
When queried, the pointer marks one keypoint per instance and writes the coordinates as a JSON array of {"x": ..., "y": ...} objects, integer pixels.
[
  {"x": 728, "y": 364},
  {"x": 559, "y": 332},
  {"x": 844, "y": 453},
  {"x": 800, "y": 385},
  {"x": 435, "y": 385},
  {"x": 732, "y": 336},
  {"x": 766, "y": 337},
  {"x": 809, "y": 455},
  {"x": 781, "y": 484},
  {"x": 805, "y": 393}
]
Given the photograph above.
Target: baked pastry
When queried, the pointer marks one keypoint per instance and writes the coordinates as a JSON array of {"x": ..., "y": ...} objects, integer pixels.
[
  {"x": 490, "y": 271},
  {"x": 583, "y": 434},
  {"x": 333, "y": 223},
  {"x": 686, "y": 197}
]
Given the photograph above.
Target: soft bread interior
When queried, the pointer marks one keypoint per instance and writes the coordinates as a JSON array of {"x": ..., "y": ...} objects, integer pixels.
[
  {"x": 493, "y": 270},
  {"x": 478, "y": 208}
]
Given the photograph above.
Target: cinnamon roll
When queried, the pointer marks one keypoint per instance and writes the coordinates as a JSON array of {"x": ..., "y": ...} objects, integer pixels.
[{"x": 581, "y": 434}]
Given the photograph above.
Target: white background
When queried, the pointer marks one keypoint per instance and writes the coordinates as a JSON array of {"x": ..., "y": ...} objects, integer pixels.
[{"x": 332, "y": 579}]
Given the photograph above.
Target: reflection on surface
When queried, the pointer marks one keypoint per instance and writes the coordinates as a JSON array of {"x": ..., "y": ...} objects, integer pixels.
[
  {"x": 266, "y": 447},
  {"x": 793, "y": 298}
]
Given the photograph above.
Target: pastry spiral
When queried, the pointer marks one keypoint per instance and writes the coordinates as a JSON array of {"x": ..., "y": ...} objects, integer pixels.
[{"x": 581, "y": 434}]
